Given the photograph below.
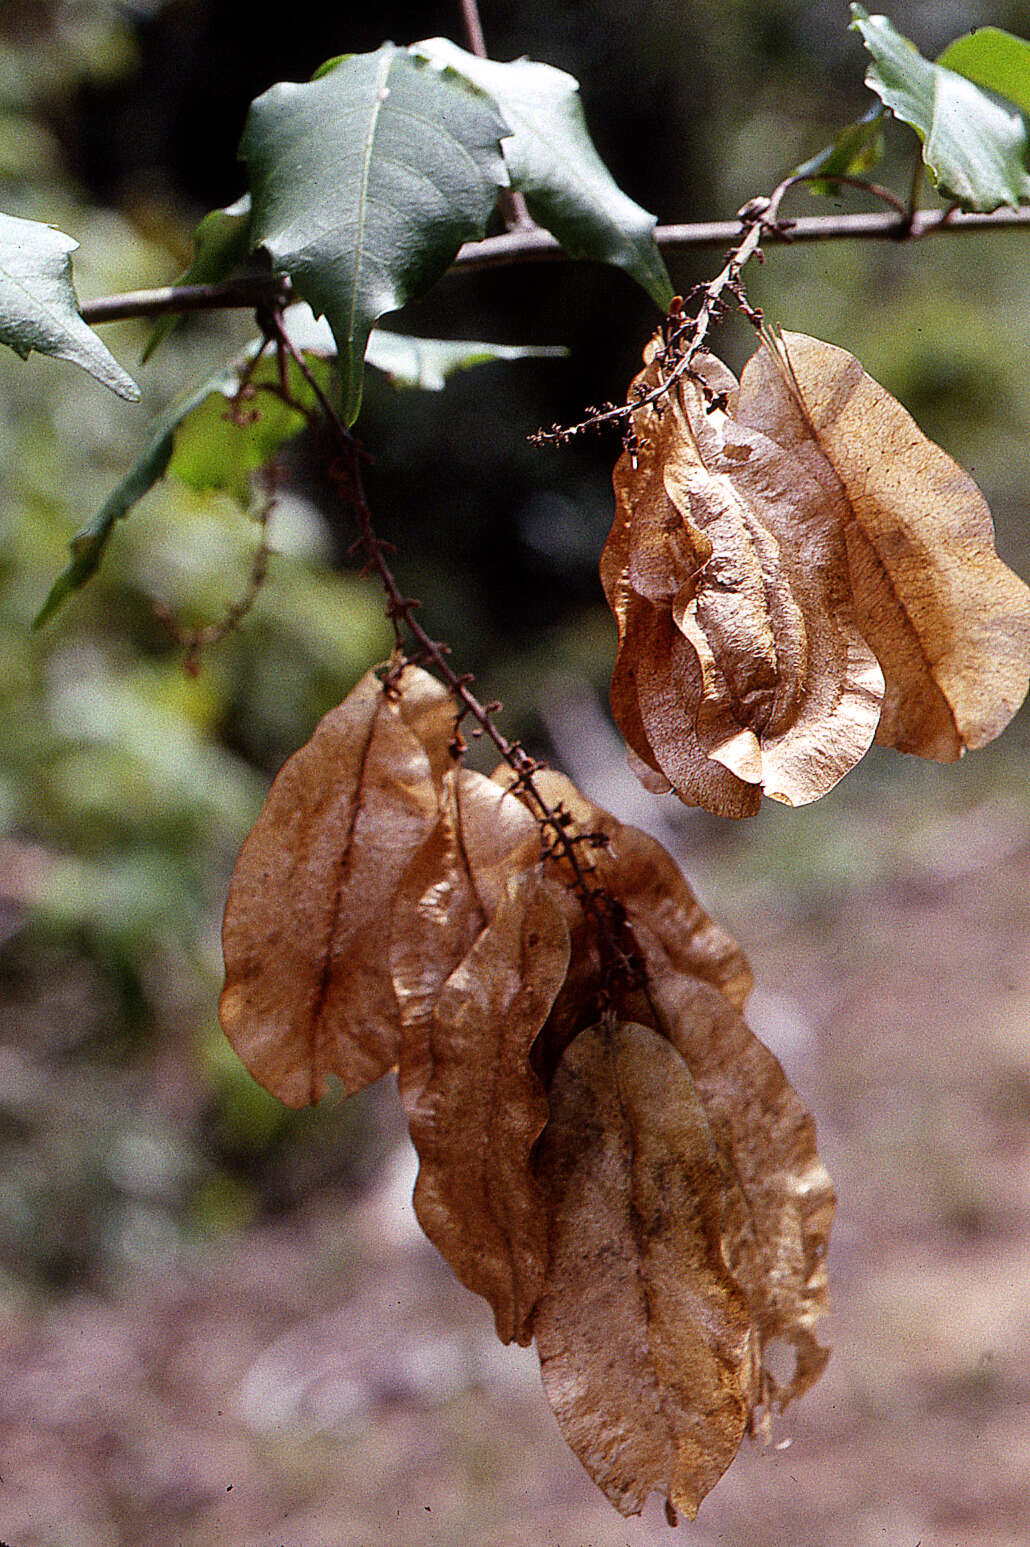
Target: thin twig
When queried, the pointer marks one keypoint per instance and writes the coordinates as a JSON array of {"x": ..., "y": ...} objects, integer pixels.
[
  {"x": 249, "y": 291},
  {"x": 915, "y": 188},
  {"x": 195, "y": 640},
  {"x": 686, "y": 338},
  {"x": 604, "y": 911},
  {"x": 686, "y": 333},
  {"x": 473, "y": 28},
  {"x": 510, "y": 202},
  {"x": 537, "y": 245}
]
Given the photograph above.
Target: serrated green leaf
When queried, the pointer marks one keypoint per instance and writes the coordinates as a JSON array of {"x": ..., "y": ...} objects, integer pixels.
[
  {"x": 855, "y": 150},
  {"x": 39, "y": 308},
  {"x": 974, "y": 151},
  {"x": 995, "y": 59},
  {"x": 553, "y": 163},
  {"x": 221, "y": 243},
  {"x": 365, "y": 182}
]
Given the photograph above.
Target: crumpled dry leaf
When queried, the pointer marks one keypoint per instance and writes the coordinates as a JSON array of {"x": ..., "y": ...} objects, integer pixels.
[
  {"x": 776, "y": 1197},
  {"x": 648, "y": 885},
  {"x": 483, "y": 1109},
  {"x": 451, "y": 890},
  {"x": 308, "y": 990},
  {"x": 777, "y": 552},
  {"x": 697, "y": 982},
  {"x": 641, "y": 1195},
  {"x": 645, "y": 1337}
]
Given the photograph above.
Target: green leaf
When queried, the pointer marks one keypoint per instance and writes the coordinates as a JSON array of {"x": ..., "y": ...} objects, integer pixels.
[
  {"x": 196, "y": 441},
  {"x": 39, "y": 308},
  {"x": 365, "y": 182},
  {"x": 428, "y": 362},
  {"x": 974, "y": 151},
  {"x": 553, "y": 162},
  {"x": 855, "y": 150},
  {"x": 216, "y": 451},
  {"x": 995, "y": 59},
  {"x": 221, "y": 244},
  {"x": 88, "y": 544}
]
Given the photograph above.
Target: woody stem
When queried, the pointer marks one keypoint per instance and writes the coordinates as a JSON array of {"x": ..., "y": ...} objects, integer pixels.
[{"x": 402, "y": 611}]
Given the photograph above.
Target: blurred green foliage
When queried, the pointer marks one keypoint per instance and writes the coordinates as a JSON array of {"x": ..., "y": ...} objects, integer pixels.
[{"x": 127, "y": 784}]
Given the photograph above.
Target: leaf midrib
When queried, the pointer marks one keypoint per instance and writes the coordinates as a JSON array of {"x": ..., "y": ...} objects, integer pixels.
[{"x": 382, "y": 74}]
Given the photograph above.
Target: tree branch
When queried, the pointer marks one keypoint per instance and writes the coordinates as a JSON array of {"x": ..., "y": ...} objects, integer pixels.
[
  {"x": 536, "y": 245},
  {"x": 251, "y": 291},
  {"x": 520, "y": 246}
]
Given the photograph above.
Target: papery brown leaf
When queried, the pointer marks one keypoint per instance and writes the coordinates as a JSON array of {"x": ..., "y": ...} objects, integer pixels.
[
  {"x": 650, "y": 701},
  {"x": 430, "y": 712},
  {"x": 777, "y": 1245},
  {"x": 614, "y": 570},
  {"x": 947, "y": 620},
  {"x": 646, "y": 881},
  {"x": 645, "y": 1338},
  {"x": 483, "y": 1109},
  {"x": 779, "y": 1200},
  {"x": 741, "y": 666},
  {"x": 451, "y": 890},
  {"x": 308, "y": 990}
]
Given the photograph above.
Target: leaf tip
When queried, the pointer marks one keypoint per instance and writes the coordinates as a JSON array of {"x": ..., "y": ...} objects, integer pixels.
[{"x": 55, "y": 596}]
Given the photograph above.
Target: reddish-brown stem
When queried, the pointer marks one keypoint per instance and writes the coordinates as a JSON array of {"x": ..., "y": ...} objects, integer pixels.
[
  {"x": 473, "y": 28},
  {"x": 511, "y": 203},
  {"x": 195, "y": 640},
  {"x": 755, "y": 217},
  {"x": 685, "y": 340},
  {"x": 619, "y": 960}
]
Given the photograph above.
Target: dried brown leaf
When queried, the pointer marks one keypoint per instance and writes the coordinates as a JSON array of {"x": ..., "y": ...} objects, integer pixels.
[
  {"x": 649, "y": 702},
  {"x": 777, "y": 1245},
  {"x": 947, "y": 620},
  {"x": 779, "y": 1200},
  {"x": 645, "y": 1338},
  {"x": 476, "y": 1121},
  {"x": 614, "y": 567},
  {"x": 741, "y": 665},
  {"x": 431, "y": 714},
  {"x": 648, "y": 884},
  {"x": 666, "y": 677},
  {"x": 450, "y": 892},
  {"x": 308, "y": 991}
]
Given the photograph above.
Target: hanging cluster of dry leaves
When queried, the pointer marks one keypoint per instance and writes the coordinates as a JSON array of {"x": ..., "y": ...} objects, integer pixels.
[
  {"x": 796, "y": 569},
  {"x": 607, "y": 1153}
]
